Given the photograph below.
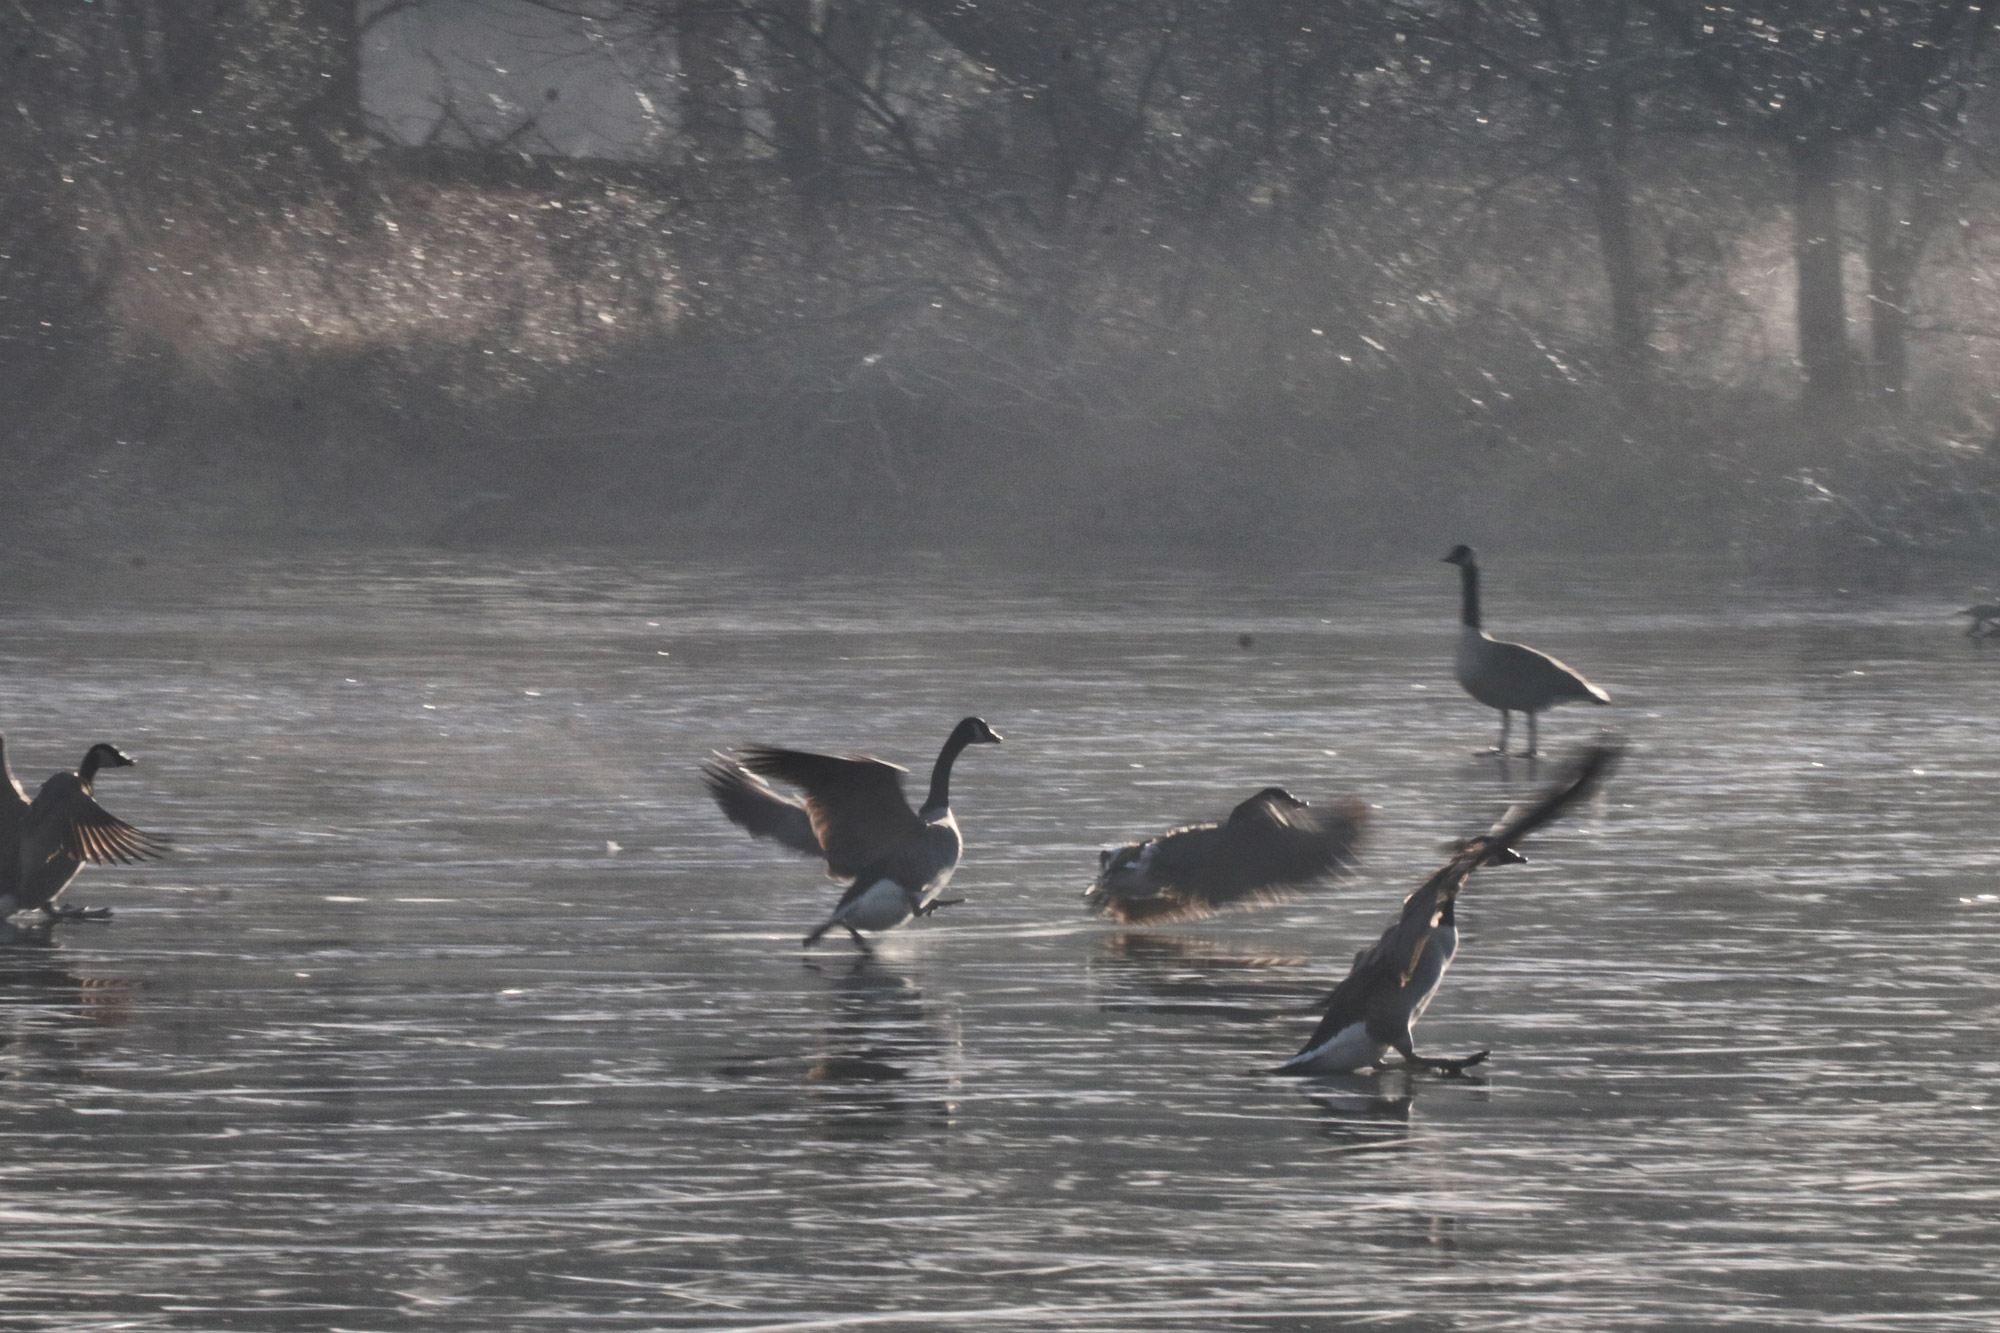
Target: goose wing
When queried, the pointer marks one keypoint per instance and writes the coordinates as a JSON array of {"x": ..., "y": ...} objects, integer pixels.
[
  {"x": 750, "y": 803},
  {"x": 63, "y": 821},
  {"x": 1271, "y": 845},
  {"x": 856, "y": 804},
  {"x": 1264, "y": 850},
  {"x": 1380, "y": 970},
  {"x": 1530, "y": 673}
]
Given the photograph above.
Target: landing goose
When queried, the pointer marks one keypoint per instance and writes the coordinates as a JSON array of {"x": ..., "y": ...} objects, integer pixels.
[
  {"x": 1270, "y": 844},
  {"x": 1511, "y": 677},
  {"x": 44, "y": 842},
  {"x": 1390, "y": 985},
  {"x": 854, "y": 815}
]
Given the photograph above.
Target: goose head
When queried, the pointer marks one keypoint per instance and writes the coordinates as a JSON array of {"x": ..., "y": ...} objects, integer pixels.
[
  {"x": 102, "y": 755},
  {"x": 974, "y": 731},
  {"x": 1460, "y": 555},
  {"x": 1124, "y": 867}
]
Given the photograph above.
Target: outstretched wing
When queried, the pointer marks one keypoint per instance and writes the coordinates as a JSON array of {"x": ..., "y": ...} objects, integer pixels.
[
  {"x": 856, "y": 805},
  {"x": 750, "y": 803},
  {"x": 1260, "y": 856},
  {"x": 1271, "y": 845},
  {"x": 65, "y": 822},
  {"x": 1391, "y": 960}
]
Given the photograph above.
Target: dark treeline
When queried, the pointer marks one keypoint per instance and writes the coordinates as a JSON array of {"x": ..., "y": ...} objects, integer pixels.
[{"x": 1040, "y": 275}]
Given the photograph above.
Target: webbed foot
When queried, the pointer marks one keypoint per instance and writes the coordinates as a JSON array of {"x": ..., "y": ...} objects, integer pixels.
[
  {"x": 66, "y": 913},
  {"x": 1452, "y": 1068}
]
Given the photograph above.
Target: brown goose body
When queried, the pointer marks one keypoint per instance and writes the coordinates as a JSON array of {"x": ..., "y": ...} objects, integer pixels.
[
  {"x": 1375, "y": 1008},
  {"x": 59, "y": 832},
  {"x": 1511, "y": 677},
  {"x": 1270, "y": 846},
  {"x": 851, "y": 811}
]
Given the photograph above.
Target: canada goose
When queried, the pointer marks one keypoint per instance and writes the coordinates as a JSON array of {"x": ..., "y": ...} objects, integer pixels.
[
  {"x": 1269, "y": 844},
  {"x": 1511, "y": 677},
  {"x": 1985, "y": 620},
  {"x": 1390, "y": 985},
  {"x": 44, "y": 842},
  {"x": 854, "y": 814}
]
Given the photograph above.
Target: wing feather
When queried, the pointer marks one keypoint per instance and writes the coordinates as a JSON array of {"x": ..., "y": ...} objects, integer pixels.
[
  {"x": 1261, "y": 856},
  {"x": 89, "y": 833},
  {"x": 750, "y": 803},
  {"x": 856, "y": 804}
]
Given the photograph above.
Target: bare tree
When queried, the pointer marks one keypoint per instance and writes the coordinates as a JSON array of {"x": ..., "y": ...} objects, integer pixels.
[{"x": 1809, "y": 80}]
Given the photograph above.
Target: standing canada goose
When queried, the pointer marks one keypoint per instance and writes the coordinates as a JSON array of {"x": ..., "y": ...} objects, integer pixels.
[
  {"x": 1511, "y": 677},
  {"x": 1268, "y": 845},
  {"x": 854, "y": 814},
  {"x": 1390, "y": 985},
  {"x": 1985, "y": 620},
  {"x": 44, "y": 842}
]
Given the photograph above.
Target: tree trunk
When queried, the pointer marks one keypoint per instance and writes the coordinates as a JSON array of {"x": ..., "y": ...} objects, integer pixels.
[
  {"x": 1631, "y": 313},
  {"x": 1904, "y": 208},
  {"x": 1825, "y": 357},
  {"x": 711, "y": 111},
  {"x": 794, "y": 98}
]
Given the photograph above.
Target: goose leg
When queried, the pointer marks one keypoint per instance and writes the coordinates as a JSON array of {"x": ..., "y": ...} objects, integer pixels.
[
  {"x": 930, "y": 907},
  {"x": 812, "y": 936},
  {"x": 1506, "y": 725},
  {"x": 860, "y": 943},
  {"x": 1532, "y": 749}
]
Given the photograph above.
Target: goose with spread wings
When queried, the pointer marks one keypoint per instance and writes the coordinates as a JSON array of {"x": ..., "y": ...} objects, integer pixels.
[
  {"x": 1270, "y": 846},
  {"x": 1376, "y": 1007},
  {"x": 853, "y": 814},
  {"x": 44, "y": 842}
]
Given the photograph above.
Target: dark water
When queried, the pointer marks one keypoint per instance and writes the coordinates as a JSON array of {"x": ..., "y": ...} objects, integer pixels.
[{"x": 396, "y": 1039}]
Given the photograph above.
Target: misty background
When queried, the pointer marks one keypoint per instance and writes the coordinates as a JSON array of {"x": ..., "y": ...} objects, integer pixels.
[{"x": 1038, "y": 278}]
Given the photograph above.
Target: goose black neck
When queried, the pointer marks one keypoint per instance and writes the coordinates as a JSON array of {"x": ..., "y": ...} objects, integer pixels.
[
  {"x": 88, "y": 768},
  {"x": 1468, "y": 582},
  {"x": 939, "y": 797}
]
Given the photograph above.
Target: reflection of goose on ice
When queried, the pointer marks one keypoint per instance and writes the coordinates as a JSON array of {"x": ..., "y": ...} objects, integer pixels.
[
  {"x": 876, "y": 1024},
  {"x": 1271, "y": 845},
  {"x": 1364, "y": 1115},
  {"x": 880, "y": 1057},
  {"x": 1166, "y": 973},
  {"x": 33, "y": 980},
  {"x": 1985, "y": 620},
  {"x": 1390, "y": 985},
  {"x": 854, "y": 814}
]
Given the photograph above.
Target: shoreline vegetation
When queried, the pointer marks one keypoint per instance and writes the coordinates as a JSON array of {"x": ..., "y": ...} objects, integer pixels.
[{"x": 1059, "y": 284}]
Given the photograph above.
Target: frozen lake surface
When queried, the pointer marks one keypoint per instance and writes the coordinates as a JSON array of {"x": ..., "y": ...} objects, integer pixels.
[{"x": 458, "y": 1007}]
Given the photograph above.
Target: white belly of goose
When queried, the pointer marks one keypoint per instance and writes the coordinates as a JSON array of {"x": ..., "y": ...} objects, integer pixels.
[
  {"x": 881, "y": 906},
  {"x": 1347, "y": 1050}
]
